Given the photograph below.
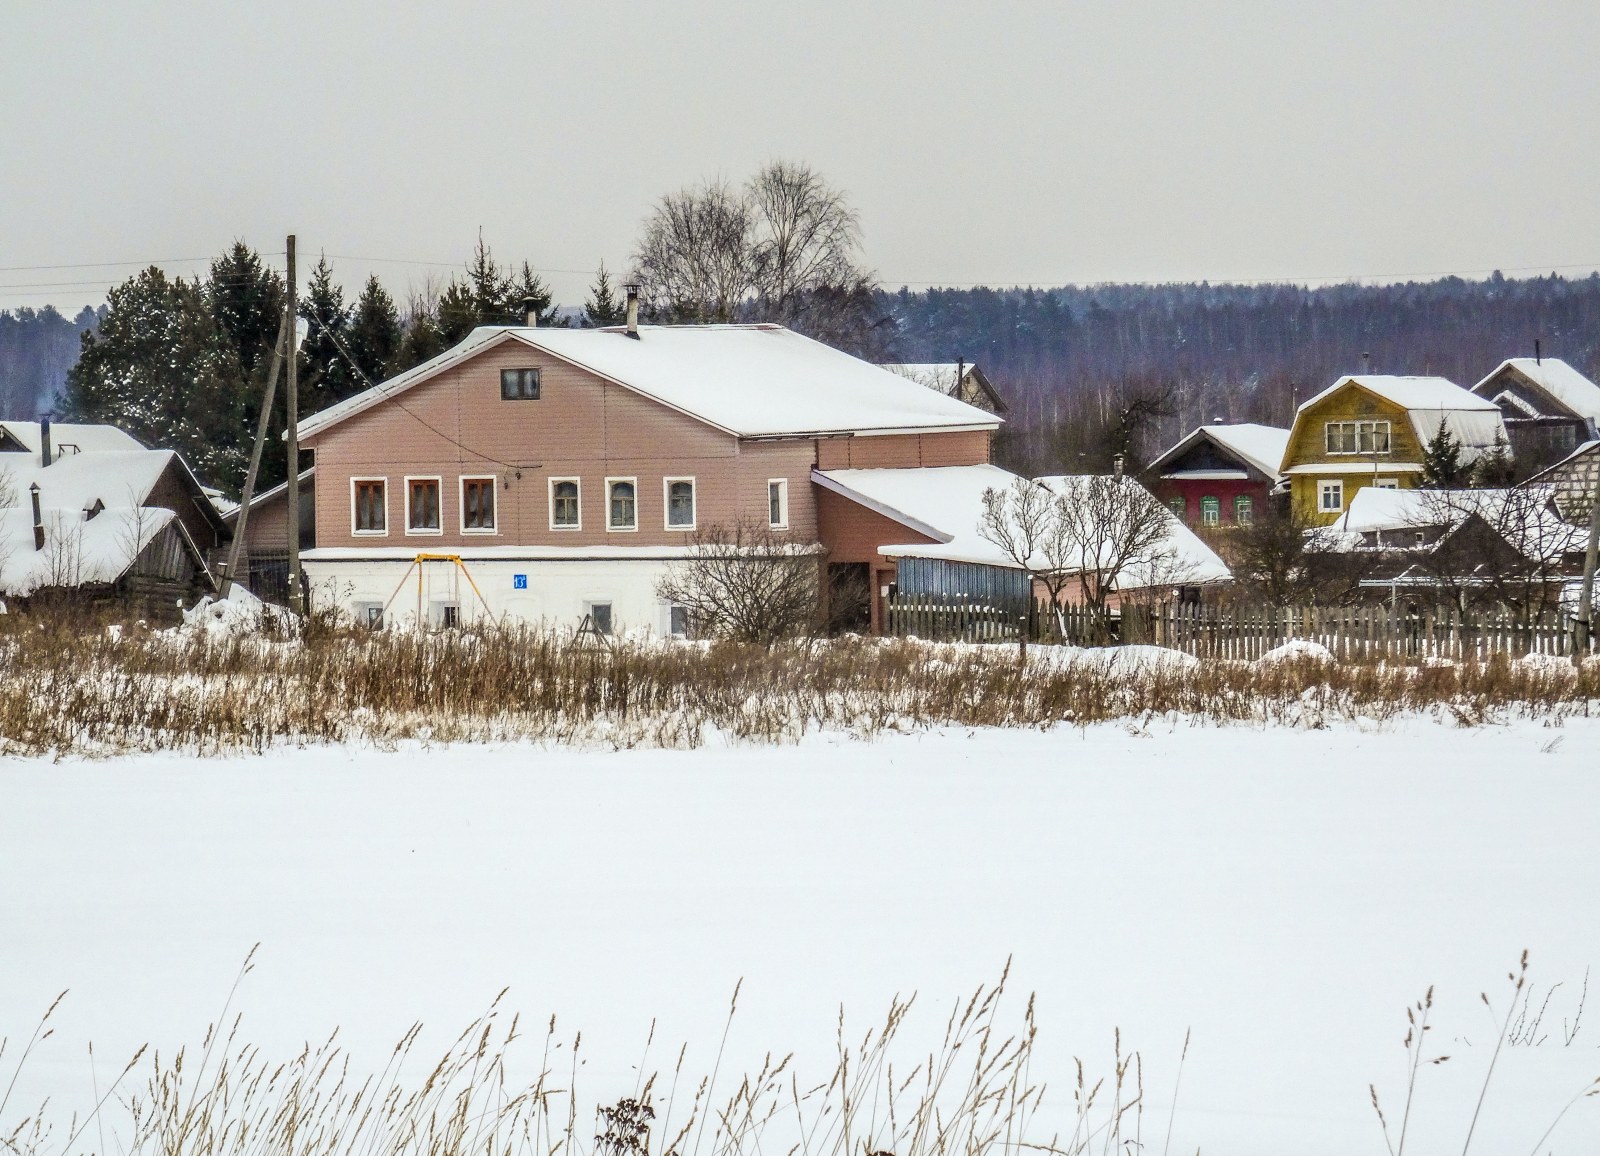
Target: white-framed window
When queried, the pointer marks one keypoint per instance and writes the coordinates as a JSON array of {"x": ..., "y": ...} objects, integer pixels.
[
  {"x": 1357, "y": 437},
  {"x": 678, "y": 621},
  {"x": 1244, "y": 509},
  {"x": 1330, "y": 496},
  {"x": 678, "y": 497},
  {"x": 477, "y": 504},
  {"x": 1210, "y": 510},
  {"x": 622, "y": 504},
  {"x": 566, "y": 505},
  {"x": 422, "y": 506},
  {"x": 778, "y": 503},
  {"x": 368, "y": 614},
  {"x": 1386, "y": 483},
  {"x": 369, "y": 507}
]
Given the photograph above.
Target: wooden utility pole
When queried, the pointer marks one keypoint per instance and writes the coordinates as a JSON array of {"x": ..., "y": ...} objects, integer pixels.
[
  {"x": 296, "y": 601},
  {"x": 241, "y": 524}
]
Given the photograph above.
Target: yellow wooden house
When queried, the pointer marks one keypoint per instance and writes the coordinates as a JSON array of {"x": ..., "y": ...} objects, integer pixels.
[{"x": 1371, "y": 430}]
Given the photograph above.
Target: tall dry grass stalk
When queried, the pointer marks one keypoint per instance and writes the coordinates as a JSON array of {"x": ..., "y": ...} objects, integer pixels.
[
  {"x": 65, "y": 689},
  {"x": 971, "y": 1095}
]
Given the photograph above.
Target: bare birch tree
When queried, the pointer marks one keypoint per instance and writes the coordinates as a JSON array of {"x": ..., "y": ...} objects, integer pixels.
[
  {"x": 1117, "y": 530},
  {"x": 695, "y": 259}
]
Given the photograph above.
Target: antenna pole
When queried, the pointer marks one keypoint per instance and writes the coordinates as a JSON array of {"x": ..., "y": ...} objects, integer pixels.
[{"x": 297, "y": 602}]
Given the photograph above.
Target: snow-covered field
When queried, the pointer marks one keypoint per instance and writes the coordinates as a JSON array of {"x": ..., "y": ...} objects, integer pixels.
[{"x": 1283, "y": 893}]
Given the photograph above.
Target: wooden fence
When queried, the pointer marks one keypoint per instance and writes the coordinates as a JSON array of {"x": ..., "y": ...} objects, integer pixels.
[{"x": 1359, "y": 633}]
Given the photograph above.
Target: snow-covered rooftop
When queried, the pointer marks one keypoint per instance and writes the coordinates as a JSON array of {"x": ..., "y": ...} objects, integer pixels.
[
  {"x": 109, "y": 475},
  {"x": 1555, "y": 377},
  {"x": 1472, "y": 420},
  {"x": 1260, "y": 446},
  {"x": 946, "y": 503},
  {"x": 751, "y": 380},
  {"x": 1182, "y": 558},
  {"x": 1522, "y": 515}
]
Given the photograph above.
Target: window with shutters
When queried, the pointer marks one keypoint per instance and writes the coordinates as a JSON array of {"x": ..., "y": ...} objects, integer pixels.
[{"x": 477, "y": 505}]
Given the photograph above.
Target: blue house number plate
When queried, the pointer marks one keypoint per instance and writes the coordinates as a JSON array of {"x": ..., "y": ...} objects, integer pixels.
[{"x": 519, "y": 582}]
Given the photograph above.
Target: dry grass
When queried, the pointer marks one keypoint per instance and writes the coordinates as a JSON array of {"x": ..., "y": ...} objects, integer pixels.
[
  {"x": 497, "y": 1092},
  {"x": 76, "y": 688}
]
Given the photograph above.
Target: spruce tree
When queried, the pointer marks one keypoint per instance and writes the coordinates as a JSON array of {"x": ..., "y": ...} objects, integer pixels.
[
  {"x": 247, "y": 302},
  {"x": 1441, "y": 461},
  {"x": 490, "y": 288},
  {"x": 603, "y": 306},
  {"x": 324, "y": 366},
  {"x": 161, "y": 368},
  {"x": 374, "y": 334},
  {"x": 457, "y": 312},
  {"x": 528, "y": 286}
]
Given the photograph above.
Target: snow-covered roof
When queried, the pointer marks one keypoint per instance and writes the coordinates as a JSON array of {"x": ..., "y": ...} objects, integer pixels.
[
  {"x": 77, "y": 551},
  {"x": 1555, "y": 377},
  {"x": 750, "y": 380},
  {"x": 1260, "y": 446},
  {"x": 67, "y": 438},
  {"x": 111, "y": 476},
  {"x": 1523, "y": 515},
  {"x": 1472, "y": 420},
  {"x": 946, "y": 503}
]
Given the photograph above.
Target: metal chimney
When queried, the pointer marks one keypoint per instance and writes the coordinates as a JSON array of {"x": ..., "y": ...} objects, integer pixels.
[
  {"x": 44, "y": 440},
  {"x": 38, "y": 518},
  {"x": 530, "y": 313},
  {"x": 1538, "y": 356},
  {"x": 1116, "y": 465},
  {"x": 632, "y": 291}
]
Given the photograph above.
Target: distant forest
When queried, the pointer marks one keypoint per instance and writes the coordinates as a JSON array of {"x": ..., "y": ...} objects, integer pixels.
[
  {"x": 1072, "y": 362},
  {"x": 1090, "y": 369}
]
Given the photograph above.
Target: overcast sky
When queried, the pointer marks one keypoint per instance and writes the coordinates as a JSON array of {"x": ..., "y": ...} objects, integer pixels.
[{"x": 982, "y": 143}]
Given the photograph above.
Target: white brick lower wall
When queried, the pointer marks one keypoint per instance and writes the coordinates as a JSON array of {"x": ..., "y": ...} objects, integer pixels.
[{"x": 556, "y": 593}]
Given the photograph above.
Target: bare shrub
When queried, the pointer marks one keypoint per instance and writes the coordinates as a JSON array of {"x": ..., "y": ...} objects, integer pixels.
[{"x": 744, "y": 582}]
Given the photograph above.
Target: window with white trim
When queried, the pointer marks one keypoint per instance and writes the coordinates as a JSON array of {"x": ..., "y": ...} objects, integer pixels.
[
  {"x": 1244, "y": 509},
  {"x": 1210, "y": 511},
  {"x": 566, "y": 513},
  {"x": 679, "y": 493},
  {"x": 369, "y": 512},
  {"x": 1330, "y": 496},
  {"x": 1386, "y": 483},
  {"x": 622, "y": 504},
  {"x": 1356, "y": 437},
  {"x": 778, "y": 503},
  {"x": 477, "y": 505},
  {"x": 422, "y": 506}
]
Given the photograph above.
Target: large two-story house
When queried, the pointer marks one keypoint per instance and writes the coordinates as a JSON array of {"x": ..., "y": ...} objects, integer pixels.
[
  {"x": 1550, "y": 409},
  {"x": 567, "y": 469},
  {"x": 1372, "y": 430}
]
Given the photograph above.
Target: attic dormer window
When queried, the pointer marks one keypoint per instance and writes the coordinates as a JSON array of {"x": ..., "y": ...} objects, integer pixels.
[
  {"x": 519, "y": 385},
  {"x": 92, "y": 508}
]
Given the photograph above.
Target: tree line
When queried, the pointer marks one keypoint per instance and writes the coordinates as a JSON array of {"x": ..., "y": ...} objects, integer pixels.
[{"x": 1089, "y": 372}]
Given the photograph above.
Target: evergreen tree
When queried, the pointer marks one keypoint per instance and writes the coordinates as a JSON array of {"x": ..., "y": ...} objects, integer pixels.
[
  {"x": 603, "y": 306},
  {"x": 1495, "y": 466},
  {"x": 457, "y": 312},
  {"x": 490, "y": 288},
  {"x": 247, "y": 302},
  {"x": 1441, "y": 461},
  {"x": 374, "y": 335},
  {"x": 163, "y": 369},
  {"x": 530, "y": 287},
  {"x": 324, "y": 365}
]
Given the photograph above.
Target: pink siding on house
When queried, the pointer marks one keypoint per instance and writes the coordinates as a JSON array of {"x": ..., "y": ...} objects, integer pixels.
[
  {"x": 899, "y": 451},
  {"x": 456, "y": 425}
]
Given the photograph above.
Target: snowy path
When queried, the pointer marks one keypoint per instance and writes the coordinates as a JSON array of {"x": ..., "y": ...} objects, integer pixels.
[{"x": 1283, "y": 893}]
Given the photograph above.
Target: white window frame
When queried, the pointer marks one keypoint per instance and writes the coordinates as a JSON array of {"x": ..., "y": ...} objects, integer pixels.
[
  {"x": 1214, "y": 518},
  {"x": 783, "y": 503},
  {"x": 438, "y": 482},
  {"x": 1323, "y": 489},
  {"x": 633, "y": 529},
  {"x": 1370, "y": 427},
  {"x": 666, "y": 503},
  {"x": 383, "y": 533},
  {"x": 555, "y": 527},
  {"x": 610, "y": 604},
  {"x": 461, "y": 494},
  {"x": 1246, "y": 504},
  {"x": 1386, "y": 483}
]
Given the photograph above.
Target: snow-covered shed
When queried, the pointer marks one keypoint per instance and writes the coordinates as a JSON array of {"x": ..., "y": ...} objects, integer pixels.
[{"x": 87, "y": 508}]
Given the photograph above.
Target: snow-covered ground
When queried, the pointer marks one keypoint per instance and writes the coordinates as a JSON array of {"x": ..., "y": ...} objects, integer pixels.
[{"x": 1283, "y": 893}]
